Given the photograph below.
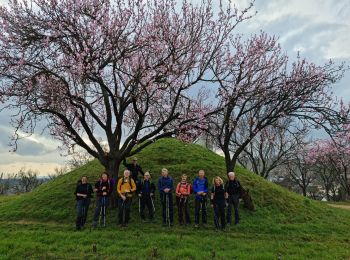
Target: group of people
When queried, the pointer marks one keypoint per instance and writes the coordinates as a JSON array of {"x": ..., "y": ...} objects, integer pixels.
[{"x": 224, "y": 197}]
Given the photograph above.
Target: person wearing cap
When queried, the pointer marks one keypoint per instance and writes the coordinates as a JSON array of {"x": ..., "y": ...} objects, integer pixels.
[
  {"x": 146, "y": 192},
  {"x": 134, "y": 169},
  {"x": 233, "y": 188}
]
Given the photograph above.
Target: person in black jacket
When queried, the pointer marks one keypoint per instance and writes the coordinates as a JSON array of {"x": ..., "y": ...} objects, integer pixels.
[
  {"x": 218, "y": 202},
  {"x": 146, "y": 192},
  {"x": 103, "y": 189},
  {"x": 83, "y": 193},
  {"x": 233, "y": 189},
  {"x": 134, "y": 169}
]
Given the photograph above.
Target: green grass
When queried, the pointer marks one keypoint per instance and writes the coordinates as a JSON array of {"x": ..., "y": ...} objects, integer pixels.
[
  {"x": 40, "y": 224},
  {"x": 51, "y": 241},
  {"x": 345, "y": 203}
]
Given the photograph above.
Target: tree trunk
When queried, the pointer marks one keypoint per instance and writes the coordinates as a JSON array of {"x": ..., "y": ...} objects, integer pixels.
[
  {"x": 230, "y": 165},
  {"x": 112, "y": 168},
  {"x": 327, "y": 194},
  {"x": 304, "y": 190}
]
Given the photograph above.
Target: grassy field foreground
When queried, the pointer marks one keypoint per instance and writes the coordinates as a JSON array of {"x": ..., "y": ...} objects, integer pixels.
[
  {"x": 58, "y": 241},
  {"x": 40, "y": 224}
]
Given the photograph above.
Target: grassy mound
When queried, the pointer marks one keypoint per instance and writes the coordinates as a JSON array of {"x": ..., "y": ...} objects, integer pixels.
[
  {"x": 55, "y": 201},
  {"x": 294, "y": 225}
]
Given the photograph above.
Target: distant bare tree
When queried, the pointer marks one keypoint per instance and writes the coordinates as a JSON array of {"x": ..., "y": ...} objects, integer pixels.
[
  {"x": 25, "y": 180},
  {"x": 273, "y": 146},
  {"x": 327, "y": 178},
  {"x": 300, "y": 172},
  {"x": 58, "y": 171},
  {"x": 4, "y": 184},
  {"x": 78, "y": 159}
]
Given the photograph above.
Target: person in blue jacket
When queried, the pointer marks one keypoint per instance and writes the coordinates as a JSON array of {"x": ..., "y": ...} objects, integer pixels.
[
  {"x": 166, "y": 187},
  {"x": 200, "y": 189}
]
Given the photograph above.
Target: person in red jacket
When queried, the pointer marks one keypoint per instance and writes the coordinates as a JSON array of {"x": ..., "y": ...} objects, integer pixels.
[
  {"x": 103, "y": 189},
  {"x": 183, "y": 191}
]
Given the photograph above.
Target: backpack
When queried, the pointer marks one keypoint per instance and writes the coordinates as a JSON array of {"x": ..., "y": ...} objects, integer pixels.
[
  {"x": 130, "y": 183},
  {"x": 186, "y": 187},
  {"x": 191, "y": 188},
  {"x": 109, "y": 185}
]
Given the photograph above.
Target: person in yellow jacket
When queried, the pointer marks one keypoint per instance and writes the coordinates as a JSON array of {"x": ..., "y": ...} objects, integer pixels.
[{"x": 125, "y": 188}]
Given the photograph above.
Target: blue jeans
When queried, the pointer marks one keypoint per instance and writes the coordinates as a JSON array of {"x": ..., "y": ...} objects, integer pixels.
[
  {"x": 101, "y": 207},
  {"x": 82, "y": 208}
]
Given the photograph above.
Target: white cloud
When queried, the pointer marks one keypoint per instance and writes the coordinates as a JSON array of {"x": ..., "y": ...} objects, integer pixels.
[
  {"x": 318, "y": 29},
  {"x": 42, "y": 168},
  {"x": 3, "y": 2},
  {"x": 39, "y": 153},
  {"x": 321, "y": 27}
]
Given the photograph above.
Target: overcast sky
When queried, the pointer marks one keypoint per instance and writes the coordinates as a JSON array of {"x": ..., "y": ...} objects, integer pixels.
[{"x": 318, "y": 29}]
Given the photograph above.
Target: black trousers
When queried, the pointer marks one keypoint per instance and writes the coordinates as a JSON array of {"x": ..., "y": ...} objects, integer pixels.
[
  {"x": 200, "y": 205},
  {"x": 233, "y": 201},
  {"x": 219, "y": 214},
  {"x": 124, "y": 210},
  {"x": 82, "y": 208},
  {"x": 146, "y": 201},
  {"x": 167, "y": 197},
  {"x": 183, "y": 210}
]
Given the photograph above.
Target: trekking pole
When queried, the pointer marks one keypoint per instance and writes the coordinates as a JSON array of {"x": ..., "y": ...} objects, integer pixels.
[
  {"x": 178, "y": 207},
  {"x": 104, "y": 212},
  {"x": 216, "y": 218},
  {"x": 82, "y": 220},
  {"x": 200, "y": 210},
  {"x": 167, "y": 208},
  {"x": 124, "y": 211},
  {"x": 140, "y": 206},
  {"x": 101, "y": 211},
  {"x": 154, "y": 209}
]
